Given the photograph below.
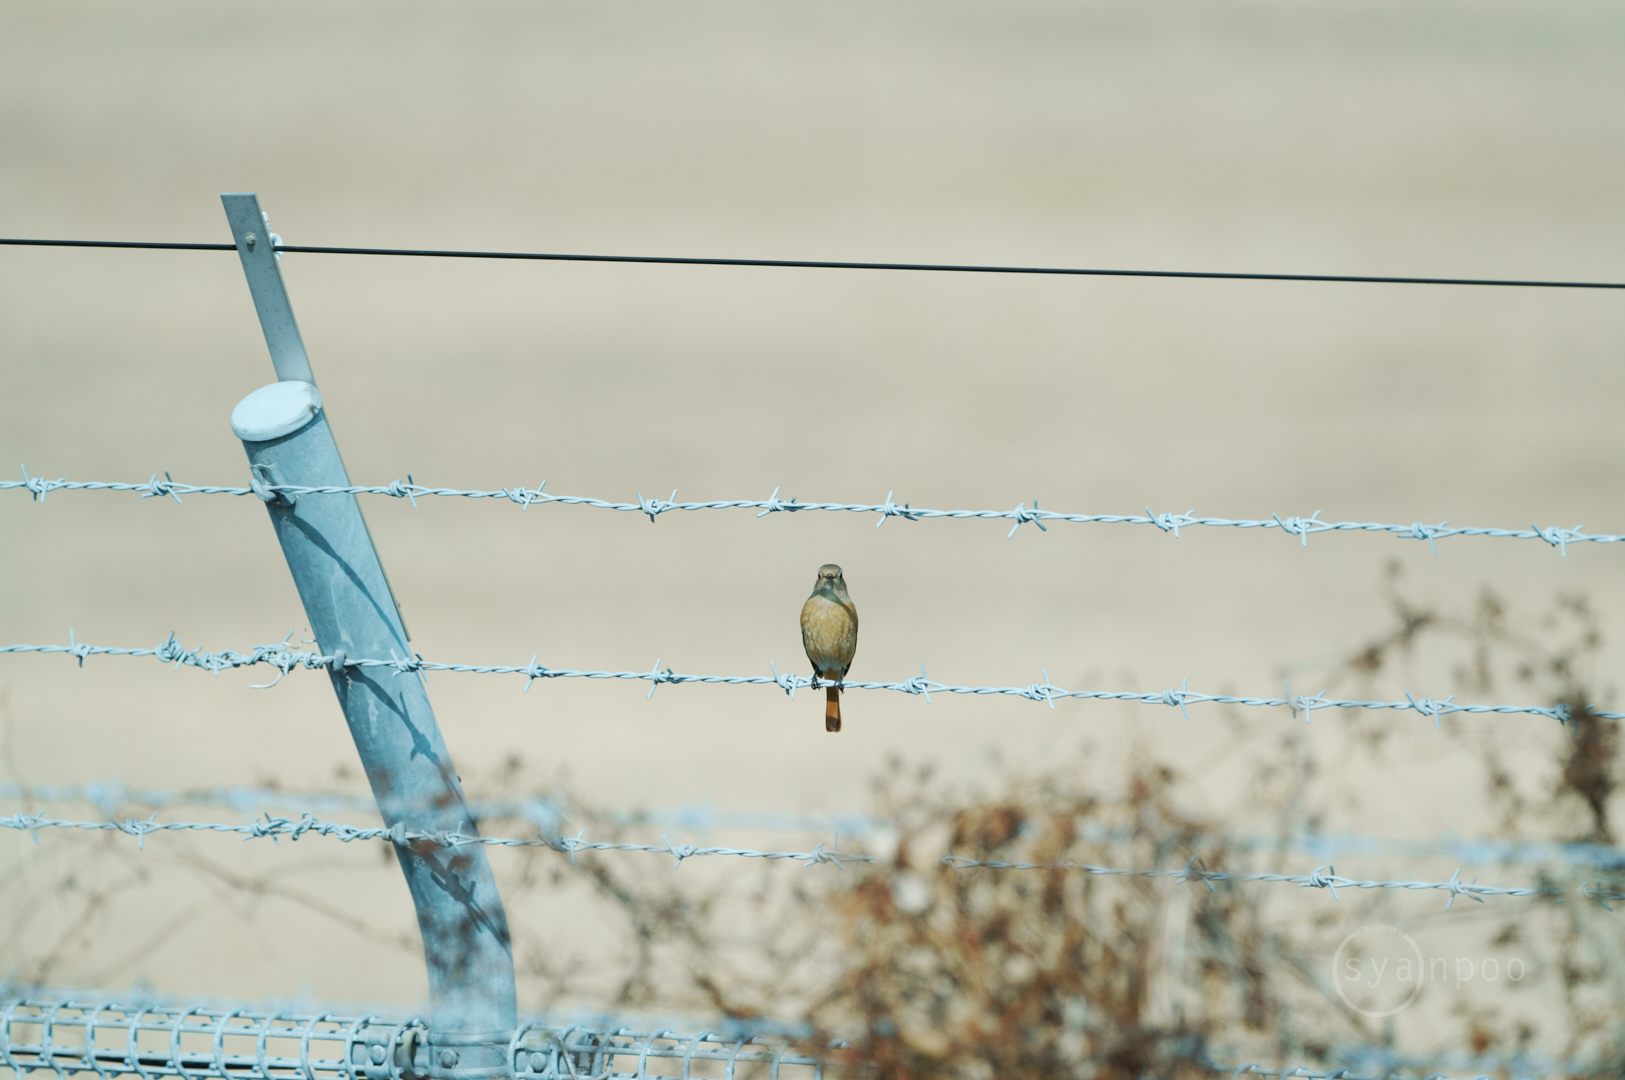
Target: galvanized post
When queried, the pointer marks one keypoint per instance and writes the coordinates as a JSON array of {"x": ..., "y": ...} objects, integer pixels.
[{"x": 352, "y": 613}]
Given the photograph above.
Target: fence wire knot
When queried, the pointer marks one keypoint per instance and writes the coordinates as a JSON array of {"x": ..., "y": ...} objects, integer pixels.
[
  {"x": 1421, "y": 530},
  {"x": 1171, "y": 522},
  {"x": 1301, "y": 527},
  {"x": 890, "y": 509},
  {"x": 1430, "y": 707},
  {"x": 654, "y": 507},
  {"x": 524, "y": 498},
  {"x": 139, "y": 828},
  {"x": 1560, "y": 537},
  {"x": 921, "y": 684},
  {"x": 406, "y": 664},
  {"x": 656, "y": 676},
  {"x": 1194, "y": 871},
  {"x": 533, "y": 671},
  {"x": 1178, "y": 697},
  {"x": 788, "y": 682},
  {"x": 819, "y": 855},
  {"x": 27, "y": 821},
  {"x": 1023, "y": 515},
  {"x": 38, "y": 486},
  {"x": 1601, "y": 896},
  {"x": 1305, "y": 704},
  {"x": 157, "y": 489},
  {"x": 1326, "y": 880},
  {"x": 404, "y": 489},
  {"x": 78, "y": 651},
  {"x": 1457, "y": 887},
  {"x": 274, "y": 827},
  {"x": 774, "y": 505},
  {"x": 681, "y": 851},
  {"x": 257, "y": 484},
  {"x": 169, "y": 650},
  {"x": 567, "y": 844},
  {"x": 1040, "y": 691}
]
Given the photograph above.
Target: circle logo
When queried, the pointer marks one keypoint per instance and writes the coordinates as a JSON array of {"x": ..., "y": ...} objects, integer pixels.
[{"x": 1377, "y": 970}]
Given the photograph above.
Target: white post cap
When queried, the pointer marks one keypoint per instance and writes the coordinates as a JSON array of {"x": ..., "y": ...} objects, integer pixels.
[{"x": 276, "y": 410}]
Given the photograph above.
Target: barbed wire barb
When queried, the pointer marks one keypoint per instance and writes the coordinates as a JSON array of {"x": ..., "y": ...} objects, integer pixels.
[
  {"x": 1327, "y": 880},
  {"x": 1459, "y": 888},
  {"x": 1429, "y": 707},
  {"x": 1302, "y": 527},
  {"x": 1307, "y": 705},
  {"x": 922, "y": 685},
  {"x": 1559, "y": 537},
  {"x": 890, "y": 509},
  {"x": 1167, "y": 522},
  {"x": 1422, "y": 531},
  {"x": 1178, "y": 697},
  {"x": 1194, "y": 869},
  {"x": 155, "y": 490},
  {"x": 773, "y": 505}
]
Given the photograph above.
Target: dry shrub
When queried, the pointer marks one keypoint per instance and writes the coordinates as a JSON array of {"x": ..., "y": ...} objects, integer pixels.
[{"x": 1049, "y": 971}]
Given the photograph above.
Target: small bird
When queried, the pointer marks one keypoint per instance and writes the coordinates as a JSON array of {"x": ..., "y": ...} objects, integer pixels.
[{"x": 829, "y": 633}]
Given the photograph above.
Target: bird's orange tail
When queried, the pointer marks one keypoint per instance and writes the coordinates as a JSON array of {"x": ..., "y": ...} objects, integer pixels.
[{"x": 832, "y": 710}]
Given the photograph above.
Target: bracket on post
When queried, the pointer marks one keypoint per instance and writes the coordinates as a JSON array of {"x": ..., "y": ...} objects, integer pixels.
[{"x": 253, "y": 240}]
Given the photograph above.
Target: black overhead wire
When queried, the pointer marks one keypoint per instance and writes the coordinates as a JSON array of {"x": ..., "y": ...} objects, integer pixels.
[{"x": 816, "y": 264}]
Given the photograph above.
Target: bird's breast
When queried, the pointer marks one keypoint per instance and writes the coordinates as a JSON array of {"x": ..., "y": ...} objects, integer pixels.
[{"x": 829, "y": 632}]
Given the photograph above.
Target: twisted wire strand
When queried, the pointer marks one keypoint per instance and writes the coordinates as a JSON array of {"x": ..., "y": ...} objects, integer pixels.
[
  {"x": 1301, "y": 527},
  {"x": 274, "y": 828},
  {"x": 548, "y": 813},
  {"x": 109, "y": 795},
  {"x": 284, "y": 658}
]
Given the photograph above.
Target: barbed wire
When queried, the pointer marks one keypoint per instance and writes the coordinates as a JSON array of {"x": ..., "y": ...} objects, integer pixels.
[
  {"x": 274, "y": 828},
  {"x": 548, "y": 813},
  {"x": 284, "y": 658},
  {"x": 1301, "y": 527}
]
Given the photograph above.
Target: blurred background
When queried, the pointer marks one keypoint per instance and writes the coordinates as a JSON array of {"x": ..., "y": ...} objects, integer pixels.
[{"x": 1372, "y": 138}]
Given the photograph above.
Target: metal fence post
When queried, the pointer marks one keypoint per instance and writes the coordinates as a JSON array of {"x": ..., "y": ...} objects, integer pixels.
[{"x": 352, "y": 613}]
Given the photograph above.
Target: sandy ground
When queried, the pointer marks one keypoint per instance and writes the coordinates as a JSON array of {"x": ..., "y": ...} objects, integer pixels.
[{"x": 1483, "y": 140}]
